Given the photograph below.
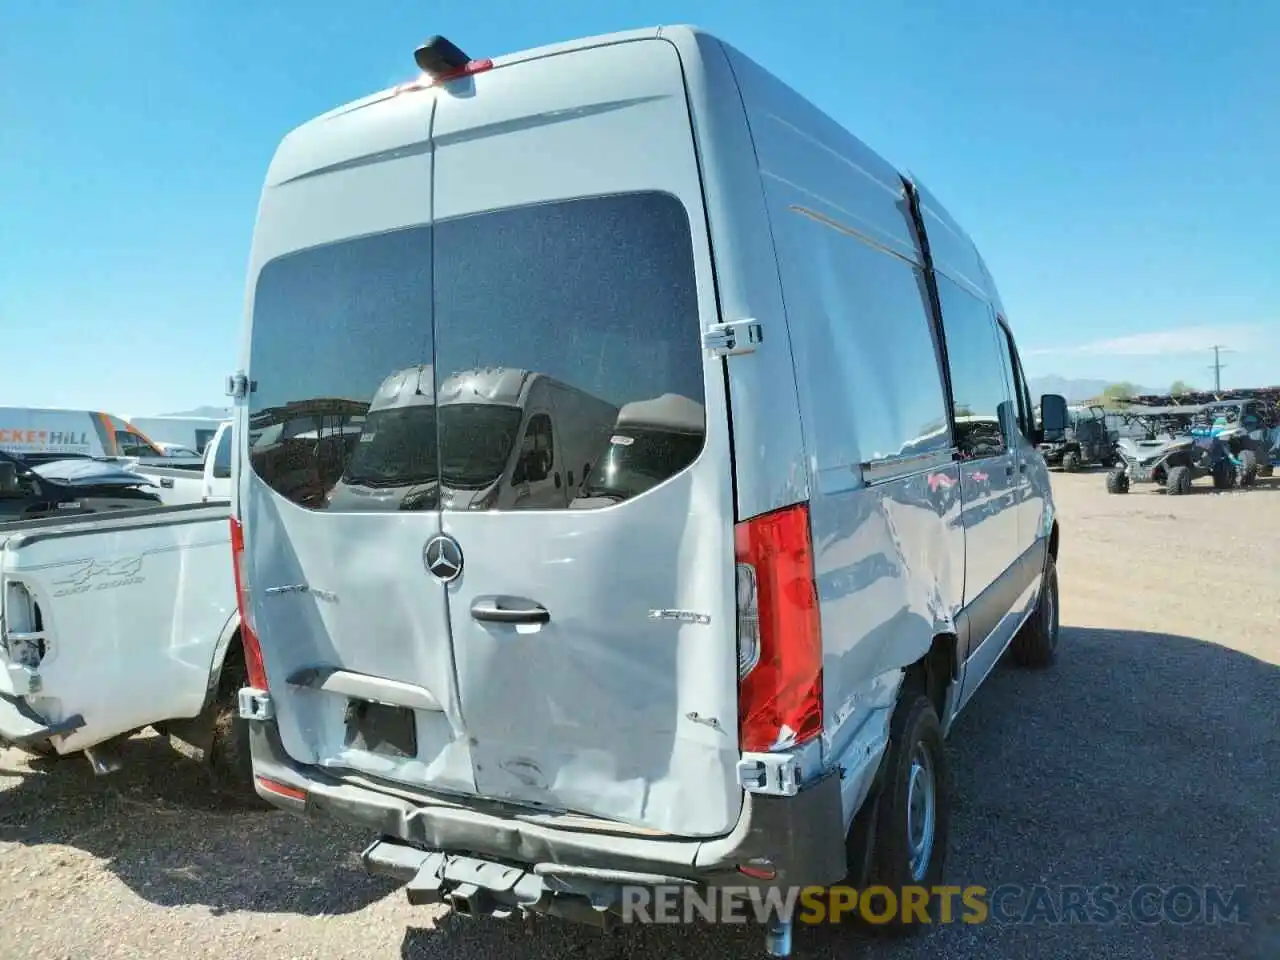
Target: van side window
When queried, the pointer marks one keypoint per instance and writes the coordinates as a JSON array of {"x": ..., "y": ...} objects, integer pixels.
[
  {"x": 1024, "y": 410},
  {"x": 537, "y": 452},
  {"x": 864, "y": 340},
  {"x": 980, "y": 395}
]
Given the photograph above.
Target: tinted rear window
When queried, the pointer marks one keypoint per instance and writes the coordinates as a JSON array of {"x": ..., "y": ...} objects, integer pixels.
[{"x": 478, "y": 364}]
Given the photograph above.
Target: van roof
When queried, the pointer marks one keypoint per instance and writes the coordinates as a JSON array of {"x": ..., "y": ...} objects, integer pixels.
[
  {"x": 502, "y": 60},
  {"x": 669, "y": 410}
]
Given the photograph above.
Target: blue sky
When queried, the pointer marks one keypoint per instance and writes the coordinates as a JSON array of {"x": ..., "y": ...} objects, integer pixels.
[{"x": 1114, "y": 160}]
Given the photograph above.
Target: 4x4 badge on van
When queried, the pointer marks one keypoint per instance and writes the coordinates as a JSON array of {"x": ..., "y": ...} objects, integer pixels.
[{"x": 443, "y": 557}]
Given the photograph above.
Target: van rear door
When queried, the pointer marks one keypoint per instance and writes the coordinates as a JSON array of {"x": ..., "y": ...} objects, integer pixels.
[
  {"x": 575, "y": 622},
  {"x": 595, "y": 648}
]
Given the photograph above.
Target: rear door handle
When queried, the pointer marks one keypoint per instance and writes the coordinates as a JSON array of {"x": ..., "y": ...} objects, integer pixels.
[{"x": 509, "y": 610}]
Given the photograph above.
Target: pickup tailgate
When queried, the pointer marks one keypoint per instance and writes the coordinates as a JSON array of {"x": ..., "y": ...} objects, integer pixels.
[{"x": 110, "y": 624}]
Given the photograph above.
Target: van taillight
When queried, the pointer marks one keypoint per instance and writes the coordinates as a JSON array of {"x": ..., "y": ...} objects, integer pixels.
[
  {"x": 779, "y": 632},
  {"x": 248, "y": 634}
]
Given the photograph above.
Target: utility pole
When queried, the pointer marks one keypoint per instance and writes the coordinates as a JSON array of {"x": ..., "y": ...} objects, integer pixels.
[{"x": 1217, "y": 348}]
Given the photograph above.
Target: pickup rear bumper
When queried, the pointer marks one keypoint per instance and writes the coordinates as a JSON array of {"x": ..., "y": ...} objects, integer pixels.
[
  {"x": 23, "y": 726},
  {"x": 800, "y": 838}
]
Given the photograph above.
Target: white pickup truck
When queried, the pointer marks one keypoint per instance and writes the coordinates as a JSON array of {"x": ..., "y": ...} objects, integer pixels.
[
  {"x": 178, "y": 485},
  {"x": 110, "y": 624}
]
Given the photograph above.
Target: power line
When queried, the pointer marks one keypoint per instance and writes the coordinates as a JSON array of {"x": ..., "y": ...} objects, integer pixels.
[{"x": 1217, "y": 349}]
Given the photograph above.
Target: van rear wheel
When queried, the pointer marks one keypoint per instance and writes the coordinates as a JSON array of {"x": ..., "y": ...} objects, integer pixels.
[{"x": 912, "y": 814}]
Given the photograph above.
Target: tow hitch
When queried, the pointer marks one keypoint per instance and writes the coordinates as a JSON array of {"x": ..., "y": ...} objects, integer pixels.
[{"x": 482, "y": 888}]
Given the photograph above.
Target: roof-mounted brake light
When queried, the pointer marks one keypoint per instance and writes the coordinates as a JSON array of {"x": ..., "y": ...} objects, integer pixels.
[{"x": 441, "y": 60}]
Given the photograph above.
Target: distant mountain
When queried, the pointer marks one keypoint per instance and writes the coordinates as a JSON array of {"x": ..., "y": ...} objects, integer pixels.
[
  {"x": 219, "y": 413},
  {"x": 1076, "y": 391}
]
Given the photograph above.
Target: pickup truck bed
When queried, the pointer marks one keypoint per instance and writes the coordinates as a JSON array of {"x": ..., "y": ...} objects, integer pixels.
[{"x": 110, "y": 623}]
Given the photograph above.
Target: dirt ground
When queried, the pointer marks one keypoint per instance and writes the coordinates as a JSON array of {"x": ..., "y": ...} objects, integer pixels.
[{"x": 1150, "y": 753}]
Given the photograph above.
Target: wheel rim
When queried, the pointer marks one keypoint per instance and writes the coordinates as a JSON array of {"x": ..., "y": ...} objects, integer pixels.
[{"x": 922, "y": 810}]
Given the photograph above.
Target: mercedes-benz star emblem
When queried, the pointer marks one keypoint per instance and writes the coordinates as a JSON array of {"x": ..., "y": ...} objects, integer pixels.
[{"x": 443, "y": 557}]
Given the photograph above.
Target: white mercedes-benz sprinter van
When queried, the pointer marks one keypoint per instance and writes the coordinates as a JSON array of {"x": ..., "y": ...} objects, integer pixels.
[{"x": 745, "y": 652}]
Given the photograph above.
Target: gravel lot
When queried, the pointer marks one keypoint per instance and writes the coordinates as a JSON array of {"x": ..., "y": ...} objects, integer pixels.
[{"x": 1149, "y": 754}]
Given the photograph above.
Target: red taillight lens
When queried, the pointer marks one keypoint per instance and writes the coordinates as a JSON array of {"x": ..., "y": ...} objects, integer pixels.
[
  {"x": 248, "y": 635},
  {"x": 281, "y": 789},
  {"x": 779, "y": 631}
]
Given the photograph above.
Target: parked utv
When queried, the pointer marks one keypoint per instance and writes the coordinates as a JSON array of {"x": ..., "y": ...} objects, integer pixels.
[
  {"x": 1246, "y": 426},
  {"x": 1086, "y": 440},
  {"x": 1181, "y": 446}
]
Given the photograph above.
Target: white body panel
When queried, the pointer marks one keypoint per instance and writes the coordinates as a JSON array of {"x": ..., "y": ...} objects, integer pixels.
[
  {"x": 178, "y": 486},
  {"x": 132, "y": 610},
  {"x": 845, "y": 405}
]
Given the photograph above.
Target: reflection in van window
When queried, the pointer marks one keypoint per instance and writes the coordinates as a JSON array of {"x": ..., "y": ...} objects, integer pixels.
[
  {"x": 596, "y": 298},
  {"x": 377, "y": 391},
  {"x": 537, "y": 453},
  {"x": 978, "y": 386},
  {"x": 652, "y": 441}
]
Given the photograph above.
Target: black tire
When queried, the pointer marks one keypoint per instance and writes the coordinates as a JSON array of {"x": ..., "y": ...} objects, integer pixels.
[
  {"x": 1036, "y": 644},
  {"x": 1117, "y": 482},
  {"x": 1266, "y": 470},
  {"x": 230, "y": 762},
  {"x": 1248, "y": 468},
  {"x": 1071, "y": 462},
  {"x": 1224, "y": 475},
  {"x": 1178, "y": 482},
  {"x": 905, "y": 819}
]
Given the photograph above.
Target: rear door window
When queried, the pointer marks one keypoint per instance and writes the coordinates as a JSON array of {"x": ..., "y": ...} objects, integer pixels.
[
  {"x": 409, "y": 361},
  {"x": 595, "y": 297}
]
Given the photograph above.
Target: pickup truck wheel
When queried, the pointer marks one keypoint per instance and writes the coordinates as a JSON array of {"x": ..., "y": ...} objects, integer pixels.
[
  {"x": 230, "y": 763},
  {"x": 913, "y": 810},
  {"x": 1036, "y": 644},
  {"x": 1071, "y": 462}
]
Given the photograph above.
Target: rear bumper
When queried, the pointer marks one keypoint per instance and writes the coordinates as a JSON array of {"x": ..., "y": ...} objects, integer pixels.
[
  {"x": 802, "y": 838},
  {"x": 23, "y": 726}
]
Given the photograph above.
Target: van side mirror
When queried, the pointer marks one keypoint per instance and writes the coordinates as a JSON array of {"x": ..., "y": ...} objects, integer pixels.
[{"x": 1053, "y": 415}]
